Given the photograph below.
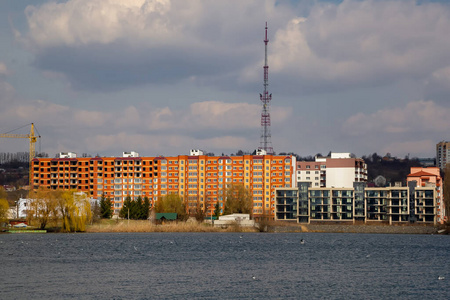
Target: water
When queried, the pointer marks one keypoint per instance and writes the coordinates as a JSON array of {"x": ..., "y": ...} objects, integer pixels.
[{"x": 224, "y": 266}]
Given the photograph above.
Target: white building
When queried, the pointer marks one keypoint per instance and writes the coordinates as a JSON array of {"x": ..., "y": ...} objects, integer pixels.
[
  {"x": 20, "y": 210},
  {"x": 130, "y": 154},
  {"x": 339, "y": 170},
  {"x": 67, "y": 155}
]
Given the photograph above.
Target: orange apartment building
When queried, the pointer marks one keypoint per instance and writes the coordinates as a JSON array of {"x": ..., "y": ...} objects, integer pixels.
[
  {"x": 197, "y": 178},
  {"x": 430, "y": 177}
]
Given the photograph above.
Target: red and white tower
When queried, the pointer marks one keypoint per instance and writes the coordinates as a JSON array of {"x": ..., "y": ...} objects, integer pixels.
[{"x": 266, "y": 143}]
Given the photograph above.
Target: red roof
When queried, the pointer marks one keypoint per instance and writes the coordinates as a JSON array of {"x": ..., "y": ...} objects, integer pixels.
[{"x": 420, "y": 174}]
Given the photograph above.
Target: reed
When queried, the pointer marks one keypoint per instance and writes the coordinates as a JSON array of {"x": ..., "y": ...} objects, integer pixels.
[{"x": 146, "y": 226}]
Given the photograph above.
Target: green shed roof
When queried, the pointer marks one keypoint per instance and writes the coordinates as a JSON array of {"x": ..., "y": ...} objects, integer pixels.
[{"x": 167, "y": 216}]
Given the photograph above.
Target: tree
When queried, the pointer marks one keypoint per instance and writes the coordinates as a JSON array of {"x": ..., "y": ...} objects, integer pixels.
[
  {"x": 4, "y": 206},
  {"x": 146, "y": 208},
  {"x": 238, "y": 199},
  {"x": 446, "y": 193},
  {"x": 135, "y": 209},
  {"x": 105, "y": 208},
  {"x": 172, "y": 204},
  {"x": 138, "y": 212},
  {"x": 199, "y": 214},
  {"x": 217, "y": 210},
  {"x": 75, "y": 210},
  {"x": 126, "y": 208},
  {"x": 42, "y": 208}
]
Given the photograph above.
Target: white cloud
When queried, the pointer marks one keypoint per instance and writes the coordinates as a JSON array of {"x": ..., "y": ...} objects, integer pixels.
[
  {"x": 209, "y": 125},
  {"x": 360, "y": 43},
  {"x": 354, "y": 43}
]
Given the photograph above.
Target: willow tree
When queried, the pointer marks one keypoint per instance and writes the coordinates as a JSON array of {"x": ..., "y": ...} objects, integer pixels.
[
  {"x": 42, "y": 207},
  {"x": 238, "y": 199},
  {"x": 4, "y": 207},
  {"x": 75, "y": 210}
]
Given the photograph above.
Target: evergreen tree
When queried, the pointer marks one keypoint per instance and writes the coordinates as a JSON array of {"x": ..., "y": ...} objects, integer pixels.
[
  {"x": 126, "y": 208},
  {"x": 146, "y": 208},
  {"x": 138, "y": 209},
  {"x": 217, "y": 210},
  {"x": 105, "y": 208}
]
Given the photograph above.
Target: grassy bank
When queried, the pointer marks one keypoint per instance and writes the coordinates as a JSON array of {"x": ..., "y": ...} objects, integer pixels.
[{"x": 146, "y": 226}]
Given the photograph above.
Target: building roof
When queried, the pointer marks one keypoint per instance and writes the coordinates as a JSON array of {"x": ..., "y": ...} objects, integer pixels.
[
  {"x": 421, "y": 173},
  {"x": 167, "y": 216}
]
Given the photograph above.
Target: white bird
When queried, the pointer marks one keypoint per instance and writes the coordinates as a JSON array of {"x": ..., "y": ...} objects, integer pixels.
[
  {"x": 253, "y": 277},
  {"x": 135, "y": 248},
  {"x": 368, "y": 255},
  {"x": 441, "y": 278}
]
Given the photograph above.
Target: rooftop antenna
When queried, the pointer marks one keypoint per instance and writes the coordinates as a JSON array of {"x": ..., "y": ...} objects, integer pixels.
[{"x": 266, "y": 143}]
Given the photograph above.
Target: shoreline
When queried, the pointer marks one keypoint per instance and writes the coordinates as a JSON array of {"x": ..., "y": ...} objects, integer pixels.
[{"x": 134, "y": 226}]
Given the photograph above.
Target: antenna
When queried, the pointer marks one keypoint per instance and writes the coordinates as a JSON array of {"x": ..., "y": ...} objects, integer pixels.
[{"x": 266, "y": 143}]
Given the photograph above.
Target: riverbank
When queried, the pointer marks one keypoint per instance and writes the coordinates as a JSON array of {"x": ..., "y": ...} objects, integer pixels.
[
  {"x": 351, "y": 228},
  {"x": 112, "y": 226}
]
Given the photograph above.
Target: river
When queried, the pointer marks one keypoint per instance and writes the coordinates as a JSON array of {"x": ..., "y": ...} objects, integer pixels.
[{"x": 224, "y": 266}]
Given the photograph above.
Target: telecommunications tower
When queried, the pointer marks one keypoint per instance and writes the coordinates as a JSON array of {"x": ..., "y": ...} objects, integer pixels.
[{"x": 266, "y": 143}]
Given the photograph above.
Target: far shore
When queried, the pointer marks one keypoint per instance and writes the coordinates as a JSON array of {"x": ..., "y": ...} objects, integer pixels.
[{"x": 136, "y": 226}]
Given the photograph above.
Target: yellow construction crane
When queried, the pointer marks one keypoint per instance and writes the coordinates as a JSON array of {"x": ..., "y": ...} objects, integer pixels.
[{"x": 33, "y": 138}]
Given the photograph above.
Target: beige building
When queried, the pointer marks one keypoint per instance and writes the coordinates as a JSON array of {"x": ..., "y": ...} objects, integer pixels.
[
  {"x": 339, "y": 170},
  {"x": 442, "y": 154}
]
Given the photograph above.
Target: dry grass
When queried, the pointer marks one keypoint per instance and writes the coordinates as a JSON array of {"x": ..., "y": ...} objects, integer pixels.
[{"x": 146, "y": 226}]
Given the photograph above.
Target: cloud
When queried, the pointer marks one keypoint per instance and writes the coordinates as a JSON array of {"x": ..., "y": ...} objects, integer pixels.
[
  {"x": 437, "y": 86},
  {"x": 358, "y": 44},
  {"x": 117, "y": 43},
  {"x": 417, "y": 117},
  {"x": 3, "y": 69},
  {"x": 211, "y": 125}
]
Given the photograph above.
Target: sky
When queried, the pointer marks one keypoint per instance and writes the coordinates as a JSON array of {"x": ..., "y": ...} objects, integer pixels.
[{"x": 161, "y": 77}]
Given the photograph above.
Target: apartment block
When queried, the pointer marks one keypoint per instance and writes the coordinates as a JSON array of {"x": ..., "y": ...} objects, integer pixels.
[
  {"x": 430, "y": 177},
  {"x": 391, "y": 205},
  {"x": 339, "y": 170},
  {"x": 442, "y": 154},
  {"x": 199, "y": 179}
]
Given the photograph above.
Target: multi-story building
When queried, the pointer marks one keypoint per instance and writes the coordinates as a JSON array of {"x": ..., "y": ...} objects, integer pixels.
[
  {"x": 199, "y": 179},
  {"x": 339, "y": 170},
  {"x": 393, "y": 205},
  {"x": 442, "y": 154},
  {"x": 430, "y": 177}
]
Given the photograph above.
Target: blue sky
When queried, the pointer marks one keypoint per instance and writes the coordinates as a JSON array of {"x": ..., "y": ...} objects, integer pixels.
[{"x": 162, "y": 77}]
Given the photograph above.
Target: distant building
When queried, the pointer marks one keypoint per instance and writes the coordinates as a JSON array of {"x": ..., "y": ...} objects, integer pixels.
[
  {"x": 391, "y": 205},
  {"x": 20, "y": 210},
  {"x": 199, "y": 179},
  {"x": 442, "y": 154},
  {"x": 430, "y": 177},
  {"x": 130, "y": 154},
  {"x": 67, "y": 155},
  {"x": 339, "y": 170}
]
